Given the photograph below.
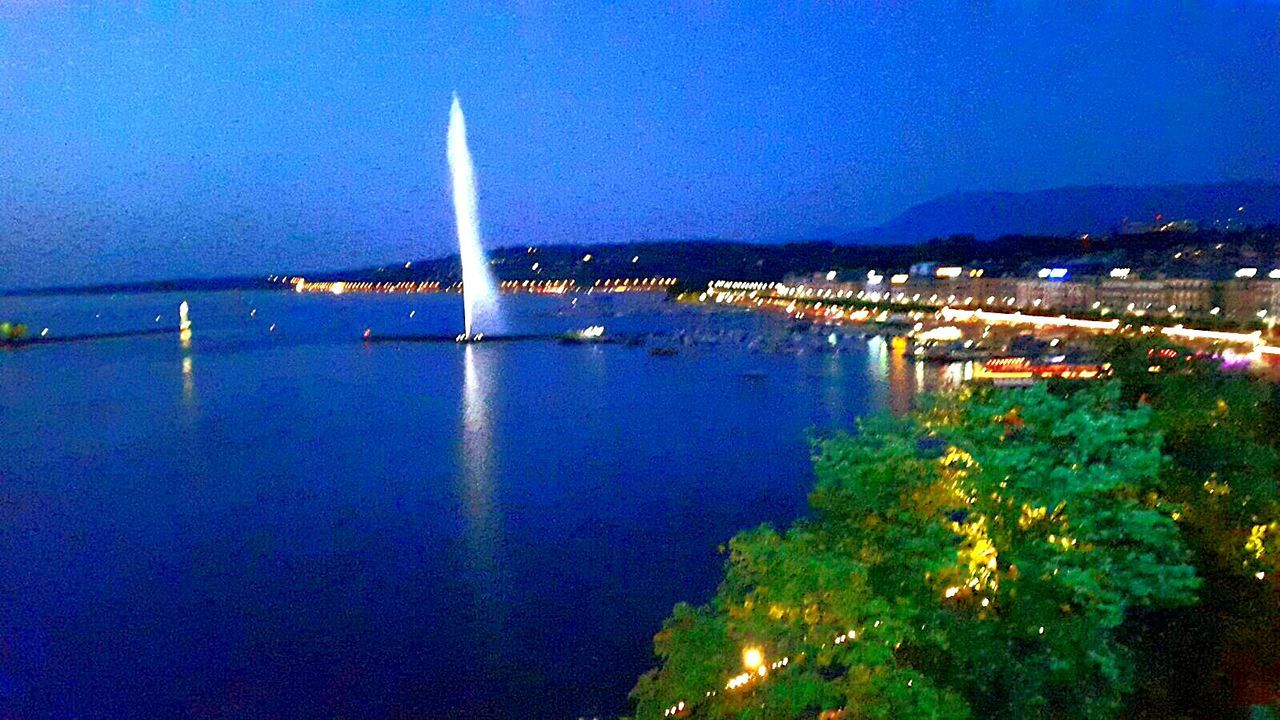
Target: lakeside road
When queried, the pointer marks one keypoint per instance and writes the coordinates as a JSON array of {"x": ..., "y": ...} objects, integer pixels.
[{"x": 1262, "y": 351}]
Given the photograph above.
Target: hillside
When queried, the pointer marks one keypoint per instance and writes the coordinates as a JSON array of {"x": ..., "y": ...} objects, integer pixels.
[{"x": 1076, "y": 210}]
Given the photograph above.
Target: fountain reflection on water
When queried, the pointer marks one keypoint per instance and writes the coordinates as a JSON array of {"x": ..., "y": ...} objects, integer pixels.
[
  {"x": 477, "y": 461},
  {"x": 483, "y": 520},
  {"x": 476, "y": 430},
  {"x": 479, "y": 292}
]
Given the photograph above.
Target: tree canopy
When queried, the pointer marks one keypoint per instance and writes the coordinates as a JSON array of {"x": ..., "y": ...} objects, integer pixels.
[
  {"x": 975, "y": 559},
  {"x": 1222, "y": 463}
]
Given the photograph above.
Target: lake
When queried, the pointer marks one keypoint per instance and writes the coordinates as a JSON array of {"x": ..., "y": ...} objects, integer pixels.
[{"x": 279, "y": 520}]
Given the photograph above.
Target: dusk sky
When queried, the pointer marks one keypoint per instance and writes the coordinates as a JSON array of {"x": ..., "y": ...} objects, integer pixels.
[{"x": 140, "y": 143}]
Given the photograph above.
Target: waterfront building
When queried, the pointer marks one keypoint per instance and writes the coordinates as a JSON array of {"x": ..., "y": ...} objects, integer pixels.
[
  {"x": 1189, "y": 295},
  {"x": 1173, "y": 296},
  {"x": 1247, "y": 298},
  {"x": 1047, "y": 294},
  {"x": 1121, "y": 291},
  {"x": 996, "y": 292}
]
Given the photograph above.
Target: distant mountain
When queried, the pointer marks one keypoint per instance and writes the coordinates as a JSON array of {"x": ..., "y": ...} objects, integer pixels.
[{"x": 1074, "y": 210}]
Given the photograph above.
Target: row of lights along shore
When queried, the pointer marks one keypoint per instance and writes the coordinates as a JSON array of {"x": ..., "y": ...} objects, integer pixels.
[
  {"x": 800, "y": 301},
  {"x": 555, "y": 287}
]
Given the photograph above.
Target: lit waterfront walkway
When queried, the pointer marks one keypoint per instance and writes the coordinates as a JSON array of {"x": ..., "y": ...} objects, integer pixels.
[{"x": 838, "y": 311}]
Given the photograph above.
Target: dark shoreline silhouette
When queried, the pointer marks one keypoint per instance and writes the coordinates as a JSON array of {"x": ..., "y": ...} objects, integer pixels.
[{"x": 86, "y": 337}]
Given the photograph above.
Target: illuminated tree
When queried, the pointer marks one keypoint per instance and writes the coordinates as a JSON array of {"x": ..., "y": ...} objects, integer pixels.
[
  {"x": 1220, "y": 438},
  {"x": 978, "y": 559}
]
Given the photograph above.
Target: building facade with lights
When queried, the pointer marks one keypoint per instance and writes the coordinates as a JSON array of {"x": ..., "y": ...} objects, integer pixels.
[{"x": 1122, "y": 291}]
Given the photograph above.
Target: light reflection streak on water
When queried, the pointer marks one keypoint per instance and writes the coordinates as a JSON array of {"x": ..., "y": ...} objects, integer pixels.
[
  {"x": 906, "y": 377},
  {"x": 955, "y": 374},
  {"x": 877, "y": 357},
  {"x": 834, "y": 390},
  {"x": 188, "y": 381},
  {"x": 482, "y": 521},
  {"x": 878, "y": 368},
  {"x": 902, "y": 390},
  {"x": 188, "y": 363}
]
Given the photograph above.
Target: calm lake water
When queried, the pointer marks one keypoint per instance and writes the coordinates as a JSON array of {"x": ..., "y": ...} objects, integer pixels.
[{"x": 291, "y": 523}]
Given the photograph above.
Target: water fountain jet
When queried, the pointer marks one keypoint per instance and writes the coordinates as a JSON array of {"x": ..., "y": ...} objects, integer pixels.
[{"x": 479, "y": 293}]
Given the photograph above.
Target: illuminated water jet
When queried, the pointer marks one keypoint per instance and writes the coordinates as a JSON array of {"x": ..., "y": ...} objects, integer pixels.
[{"x": 479, "y": 294}]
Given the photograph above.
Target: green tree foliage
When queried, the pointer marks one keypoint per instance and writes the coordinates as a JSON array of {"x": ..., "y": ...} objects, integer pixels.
[
  {"x": 12, "y": 331},
  {"x": 1220, "y": 437},
  {"x": 977, "y": 559}
]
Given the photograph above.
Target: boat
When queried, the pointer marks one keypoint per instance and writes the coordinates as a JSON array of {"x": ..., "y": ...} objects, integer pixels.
[
  {"x": 1021, "y": 371},
  {"x": 592, "y": 334}
]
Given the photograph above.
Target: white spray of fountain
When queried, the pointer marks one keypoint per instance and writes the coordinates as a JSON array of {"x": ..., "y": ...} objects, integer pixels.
[{"x": 479, "y": 293}]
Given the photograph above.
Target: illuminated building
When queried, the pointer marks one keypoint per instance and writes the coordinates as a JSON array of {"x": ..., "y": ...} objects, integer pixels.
[
  {"x": 1051, "y": 294},
  {"x": 1188, "y": 295},
  {"x": 1244, "y": 297}
]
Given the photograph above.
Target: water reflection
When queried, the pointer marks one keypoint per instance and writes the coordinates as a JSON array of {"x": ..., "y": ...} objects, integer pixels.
[
  {"x": 877, "y": 355},
  {"x": 902, "y": 385},
  {"x": 184, "y": 341},
  {"x": 834, "y": 390},
  {"x": 188, "y": 381},
  {"x": 478, "y": 465},
  {"x": 907, "y": 378},
  {"x": 955, "y": 374},
  {"x": 436, "y": 513}
]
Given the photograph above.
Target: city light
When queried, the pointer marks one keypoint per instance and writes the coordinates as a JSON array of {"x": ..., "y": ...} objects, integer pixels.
[
  {"x": 1253, "y": 338},
  {"x": 942, "y": 333},
  {"x": 1017, "y": 318}
]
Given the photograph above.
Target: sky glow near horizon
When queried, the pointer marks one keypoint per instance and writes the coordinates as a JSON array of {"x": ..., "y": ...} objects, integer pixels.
[{"x": 141, "y": 142}]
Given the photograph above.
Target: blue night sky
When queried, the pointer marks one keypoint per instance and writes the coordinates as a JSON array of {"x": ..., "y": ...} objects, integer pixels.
[{"x": 153, "y": 141}]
